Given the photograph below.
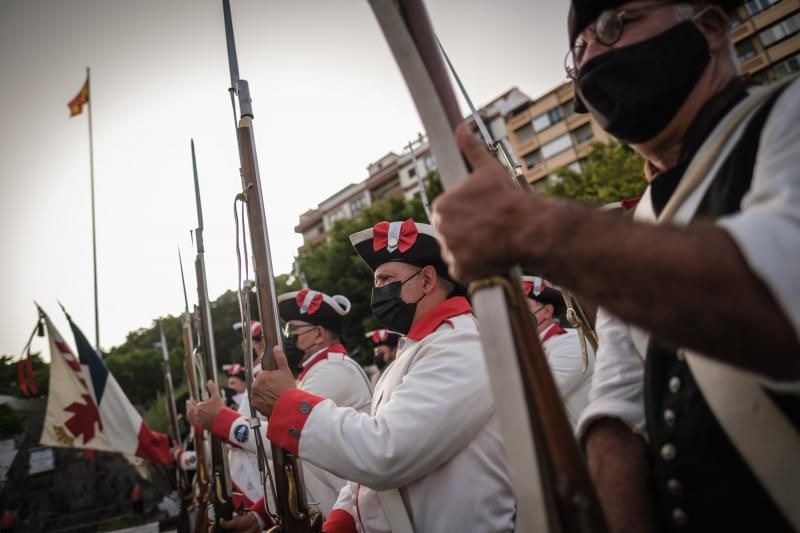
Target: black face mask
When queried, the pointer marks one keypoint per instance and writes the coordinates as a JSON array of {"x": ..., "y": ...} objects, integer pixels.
[
  {"x": 389, "y": 308},
  {"x": 293, "y": 354},
  {"x": 635, "y": 91}
]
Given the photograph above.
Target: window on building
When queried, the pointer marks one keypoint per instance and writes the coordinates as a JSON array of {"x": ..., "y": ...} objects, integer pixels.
[
  {"x": 754, "y": 7},
  {"x": 576, "y": 166},
  {"x": 734, "y": 18},
  {"x": 787, "y": 66},
  {"x": 745, "y": 49},
  {"x": 567, "y": 108},
  {"x": 545, "y": 120},
  {"x": 524, "y": 134},
  {"x": 583, "y": 133},
  {"x": 556, "y": 146},
  {"x": 358, "y": 204},
  {"x": 780, "y": 31},
  {"x": 430, "y": 164},
  {"x": 412, "y": 172},
  {"x": 532, "y": 159}
]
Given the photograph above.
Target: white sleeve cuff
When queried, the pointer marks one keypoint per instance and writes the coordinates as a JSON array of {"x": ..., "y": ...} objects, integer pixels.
[
  {"x": 626, "y": 412},
  {"x": 770, "y": 243}
]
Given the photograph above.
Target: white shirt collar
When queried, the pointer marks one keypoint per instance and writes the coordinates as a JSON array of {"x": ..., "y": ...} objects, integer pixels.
[{"x": 314, "y": 356}]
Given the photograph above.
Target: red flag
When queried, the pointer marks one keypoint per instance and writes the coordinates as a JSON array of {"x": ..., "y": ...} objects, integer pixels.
[
  {"x": 21, "y": 377},
  {"x": 76, "y": 104},
  {"x": 31, "y": 377}
]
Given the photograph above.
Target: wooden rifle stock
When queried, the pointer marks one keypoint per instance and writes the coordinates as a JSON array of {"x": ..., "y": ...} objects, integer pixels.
[
  {"x": 561, "y": 498},
  {"x": 292, "y": 507},
  {"x": 201, "y": 474}
]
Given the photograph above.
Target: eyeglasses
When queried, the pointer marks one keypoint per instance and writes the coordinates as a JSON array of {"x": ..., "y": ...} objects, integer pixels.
[
  {"x": 607, "y": 30},
  {"x": 290, "y": 329}
]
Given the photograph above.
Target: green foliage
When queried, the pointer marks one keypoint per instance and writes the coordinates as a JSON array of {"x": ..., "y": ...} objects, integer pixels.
[
  {"x": 8, "y": 375},
  {"x": 11, "y": 422},
  {"x": 611, "y": 172},
  {"x": 333, "y": 267},
  {"x": 156, "y": 415}
]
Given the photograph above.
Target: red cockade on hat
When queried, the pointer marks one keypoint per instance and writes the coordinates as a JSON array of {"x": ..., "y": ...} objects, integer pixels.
[
  {"x": 386, "y": 235},
  {"x": 308, "y": 301},
  {"x": 380, "y": 335}
]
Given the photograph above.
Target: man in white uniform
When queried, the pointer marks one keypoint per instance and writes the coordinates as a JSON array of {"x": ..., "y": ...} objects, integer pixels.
[
  {"x": 429, "y": 451},
  {"x": 561, "y": 346},
  {"x": 312, "y": 339},
  {"x": 384, "y": 344}
]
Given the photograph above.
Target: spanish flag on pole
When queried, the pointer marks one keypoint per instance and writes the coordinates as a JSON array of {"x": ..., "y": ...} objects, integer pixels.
[{"x": 76, "y": 104}]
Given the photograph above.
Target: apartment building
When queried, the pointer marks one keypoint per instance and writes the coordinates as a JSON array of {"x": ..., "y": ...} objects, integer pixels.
[
  {"x": 766, "y": 35},
  {"x": 396, "y": 174}
]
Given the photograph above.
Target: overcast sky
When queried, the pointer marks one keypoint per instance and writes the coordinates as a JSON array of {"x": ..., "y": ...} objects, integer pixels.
[{"x": 328, "y": 100}]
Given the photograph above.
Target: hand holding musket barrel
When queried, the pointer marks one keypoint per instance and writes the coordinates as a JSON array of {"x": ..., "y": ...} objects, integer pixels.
[
  {"x": 552, "y": 486},
  {"x": 292, "y": 513}
]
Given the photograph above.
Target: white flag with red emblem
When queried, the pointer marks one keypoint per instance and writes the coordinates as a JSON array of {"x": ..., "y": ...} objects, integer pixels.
[{"x": 86, "y": 407}]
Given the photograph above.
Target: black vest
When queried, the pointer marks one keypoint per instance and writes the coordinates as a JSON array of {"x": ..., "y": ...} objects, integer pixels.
[{"x": 701, "y": 482}]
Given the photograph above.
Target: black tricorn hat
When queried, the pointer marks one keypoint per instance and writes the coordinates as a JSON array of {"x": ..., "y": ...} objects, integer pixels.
[
  {"x": 405, "y": 242},
  {"x": 584, "y": 12},
  {"x": 544, "y": 292},
  {"x": 315, "y": 308},
  {"x": 383, "y": 337}
]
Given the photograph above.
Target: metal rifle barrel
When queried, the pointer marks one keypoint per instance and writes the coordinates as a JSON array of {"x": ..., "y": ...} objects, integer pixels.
[{"x": 292, "y": 507}]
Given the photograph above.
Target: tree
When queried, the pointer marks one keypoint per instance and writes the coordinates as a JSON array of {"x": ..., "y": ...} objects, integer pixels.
[
  {"x": 611, "y": 172},
  {"x": 8, "y": 375},
  {"x": 11, "y": 422}
]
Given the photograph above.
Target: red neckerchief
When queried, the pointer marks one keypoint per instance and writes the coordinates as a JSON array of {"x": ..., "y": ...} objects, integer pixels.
[
  {"x": 552, "y": 331},
  {"x": 458, "y": 305},
  {"x": 335, "y": 348}
]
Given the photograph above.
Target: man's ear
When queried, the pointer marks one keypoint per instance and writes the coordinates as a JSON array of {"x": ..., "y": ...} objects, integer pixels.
[
  {"x": 429, "y": 277},
  {"x": 714, "y": 23}
]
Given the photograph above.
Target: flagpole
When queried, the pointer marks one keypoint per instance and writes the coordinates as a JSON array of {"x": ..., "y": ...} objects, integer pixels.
[{"x": 94, "y": 231}]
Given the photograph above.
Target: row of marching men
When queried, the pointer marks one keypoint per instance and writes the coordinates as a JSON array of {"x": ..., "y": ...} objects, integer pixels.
[{"x": 419, "y": 448}]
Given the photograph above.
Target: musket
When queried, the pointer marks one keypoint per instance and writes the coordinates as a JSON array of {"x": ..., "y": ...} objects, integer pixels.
[
  {"x": 199, "y": 438},
  {"x": 423, "y": 193},
  {"x": 220, "y": 499},
  {"x": 184, "y": 490},
  {"x": 293, "y": 512},
  {"x": 503, "y": 152},
  {"x": 501, "y": 149},
  {"x": 551, "y": 483}
]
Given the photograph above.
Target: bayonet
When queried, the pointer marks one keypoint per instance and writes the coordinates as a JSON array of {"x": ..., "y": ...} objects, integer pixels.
[
  {"x": 220, "y": 492},
  {"x": 501, "y": 148}
]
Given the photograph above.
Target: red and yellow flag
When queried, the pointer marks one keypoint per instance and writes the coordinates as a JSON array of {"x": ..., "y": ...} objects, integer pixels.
[{"x": 76, "y": 104}]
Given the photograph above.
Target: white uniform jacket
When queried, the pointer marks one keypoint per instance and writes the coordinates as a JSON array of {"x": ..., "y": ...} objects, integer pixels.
[
  {"x": 563, "y": 351},
  {"x": 432, "y": 433},
  {"x": 328, "y": 373},
  {"x": 766, "y": 231}
]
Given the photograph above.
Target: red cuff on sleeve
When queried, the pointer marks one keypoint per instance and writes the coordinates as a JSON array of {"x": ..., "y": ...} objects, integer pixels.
[
  {"x": 288, "y": 418},
  {"x": 198, "y": 429},
  {"x": 339, "y": 521},
  {"x": 223, "y": 422},
  {"x": 259, "y": 509}
]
